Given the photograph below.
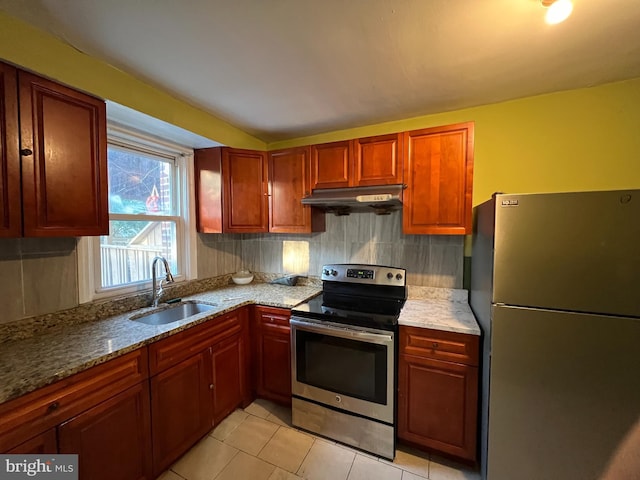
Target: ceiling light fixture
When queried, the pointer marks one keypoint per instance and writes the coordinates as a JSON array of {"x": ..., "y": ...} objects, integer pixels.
[{"x": 558, "y": 10}]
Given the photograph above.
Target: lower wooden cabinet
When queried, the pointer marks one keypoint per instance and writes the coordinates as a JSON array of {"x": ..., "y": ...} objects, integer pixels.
[
  {"x": 181, "y": 408},
  {"x": 46, "y": 442},
  {"x": 272, "y": 351},
  {"x": 438, "y": 399},
  {"x": 112, "y": 438},
  {"x": 229, "y": 374},
  {"x": 199, "y": 376}
]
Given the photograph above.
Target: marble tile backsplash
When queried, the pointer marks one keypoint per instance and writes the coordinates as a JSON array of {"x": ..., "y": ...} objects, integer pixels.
[
  {"x": 39, "y": 275},
  {"x": 430, "y": 260}
]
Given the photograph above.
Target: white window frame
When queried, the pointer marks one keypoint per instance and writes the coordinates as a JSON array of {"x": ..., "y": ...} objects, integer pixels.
[{"x": 89, "y": 282}]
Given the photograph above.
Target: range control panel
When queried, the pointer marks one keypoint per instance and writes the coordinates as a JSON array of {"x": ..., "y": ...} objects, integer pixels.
[{"x": 367, "y": 274}]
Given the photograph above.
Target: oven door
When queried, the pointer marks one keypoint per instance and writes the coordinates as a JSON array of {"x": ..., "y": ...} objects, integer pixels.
[{"x": 345, "y": 367}]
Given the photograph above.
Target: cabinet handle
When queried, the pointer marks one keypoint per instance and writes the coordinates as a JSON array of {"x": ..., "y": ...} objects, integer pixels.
[
  {"x": 53, "y": 407},
  {"x": 25, "y": 152}
]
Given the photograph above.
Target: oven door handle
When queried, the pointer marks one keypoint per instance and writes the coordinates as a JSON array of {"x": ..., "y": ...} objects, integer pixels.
[{"x": 341, "y": 332}]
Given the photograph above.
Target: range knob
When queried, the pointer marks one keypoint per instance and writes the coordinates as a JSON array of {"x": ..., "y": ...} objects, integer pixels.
[
  {"x": 334, "y": 272},
  {"x": 389, "y": 275},
  {"x": 399, "y": 276},
  {"x": 326, "y": 272}
]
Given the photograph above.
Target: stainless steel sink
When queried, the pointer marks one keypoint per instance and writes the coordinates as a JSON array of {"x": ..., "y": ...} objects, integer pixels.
[{"x": 173, "y": 314}]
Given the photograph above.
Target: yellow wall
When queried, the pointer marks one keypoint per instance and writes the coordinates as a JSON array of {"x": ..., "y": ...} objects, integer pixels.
[
  {"x": 40, "y": 52},
  {"x": 586, "y": 139}
]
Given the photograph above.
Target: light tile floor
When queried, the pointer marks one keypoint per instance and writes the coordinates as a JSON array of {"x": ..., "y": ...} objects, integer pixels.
[{"x": 258, "y": 443}]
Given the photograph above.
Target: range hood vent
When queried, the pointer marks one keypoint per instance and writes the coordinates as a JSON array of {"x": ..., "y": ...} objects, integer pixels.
[{"x": 381, "y": 200}]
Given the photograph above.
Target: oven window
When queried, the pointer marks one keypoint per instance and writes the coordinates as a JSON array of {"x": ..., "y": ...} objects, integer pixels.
[{"x": 344, "y": 366}]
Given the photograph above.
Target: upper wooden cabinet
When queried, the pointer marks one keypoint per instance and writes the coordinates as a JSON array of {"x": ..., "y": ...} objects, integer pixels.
[
  {"x": 357, "y": 163},
  {"x": 330, "y": 164},
  {"x": 377, "y": 160},
  {"x": 245, "y": 189},
  {"x": 10, "y": 201},
  {"x": 208, "y": 189},
  {"x": 62, "y": 155},
  {"x": 289, "y": 182},
  {"x": 438, "y": 171}
]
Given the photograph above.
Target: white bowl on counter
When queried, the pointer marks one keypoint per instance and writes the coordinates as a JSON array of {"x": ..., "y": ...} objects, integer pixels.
[{"x": 242, "y": 278}]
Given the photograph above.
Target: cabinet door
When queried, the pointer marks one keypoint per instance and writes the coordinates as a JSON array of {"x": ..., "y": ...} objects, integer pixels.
[
  {"x": 289, "y": 182},
  {"x": 10, "y": 197},
  {"x": 112, "y": 439},
  {"x": 245, "y": 190},
  {"x": 180, "y": 409},
  {"x": 228, "y": 377},
  {"x": 273, "y": 354},
  {"x": 438, "y": 171},
  {"x": 208, "y": 183},
  {"x": 46, "y": 442},
  {"x": 377, "y": 160},
  {"x": 330, "y": 164},
  {"x": 64, "y": 180},
  {"x": 437, "y": 405}
]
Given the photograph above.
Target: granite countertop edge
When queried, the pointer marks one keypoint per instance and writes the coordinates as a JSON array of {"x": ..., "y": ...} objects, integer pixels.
[{"x": 35, "y": 362}]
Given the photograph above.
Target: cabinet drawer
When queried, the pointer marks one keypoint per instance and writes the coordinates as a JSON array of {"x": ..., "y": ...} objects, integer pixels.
[
  {"x": 273, "y": 316},
  {"x": 438, "y": 344},
  {"x": 173, "y": 350},
  {"x": 32, "y": 414}
]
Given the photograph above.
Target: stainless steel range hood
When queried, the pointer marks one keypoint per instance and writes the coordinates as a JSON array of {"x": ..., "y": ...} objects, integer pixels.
[{"x": 382, "y": 199}]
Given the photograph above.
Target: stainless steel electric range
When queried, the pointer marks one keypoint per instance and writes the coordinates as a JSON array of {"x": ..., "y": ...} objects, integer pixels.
[{"x": 344, "y": 354}]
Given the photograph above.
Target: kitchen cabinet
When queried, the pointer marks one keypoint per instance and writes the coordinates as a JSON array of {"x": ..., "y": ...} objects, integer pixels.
[
  {"x": 57, "y": 174},
  {"x": 229, "y": 369},
  {"x": 119, "y": 426},
  {"x": 438, "y": 391},
  {"x": 245, "y": 191},
  {"x": 438, "y": 172},
  {"x": 377, "y": 160},
  {"x": 330, "y": 164},
  {"x": 289, "y": 182},
  {"x": 208, "y": 189},
  {"x": 10, "y": 199},
  {"x": 102, "y": 414},
  {"x": 357, "y": 163},
  {"x": 46, "y": 442},
  {"x": 198, "y": 376},
  {"x": 181, "y": 409},
  {"x": 272, "y": 347}
]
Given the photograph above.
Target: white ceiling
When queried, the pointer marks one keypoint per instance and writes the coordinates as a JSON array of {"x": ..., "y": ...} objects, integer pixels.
[{"x": 281, "y": 69}]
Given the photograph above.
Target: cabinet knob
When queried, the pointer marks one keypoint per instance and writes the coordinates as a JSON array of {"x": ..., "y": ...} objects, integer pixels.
[
  {"x": 211, "y": 386},
  {"x": 435, "y": 344},
  {"x": 25, "y": 152},
  {"x": 53, "y": 407}
]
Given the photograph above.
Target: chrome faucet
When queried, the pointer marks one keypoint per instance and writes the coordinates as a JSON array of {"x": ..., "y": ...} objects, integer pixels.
[{"x": 168, "y": 278}]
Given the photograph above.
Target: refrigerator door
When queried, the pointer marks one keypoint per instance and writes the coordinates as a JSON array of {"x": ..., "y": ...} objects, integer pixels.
[
  {"x": 564, "y": 394},
  {"x": 569, "y": 251}
]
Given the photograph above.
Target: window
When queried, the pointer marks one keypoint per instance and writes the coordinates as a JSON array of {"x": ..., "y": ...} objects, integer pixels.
[{"x": 147, "y": 216}]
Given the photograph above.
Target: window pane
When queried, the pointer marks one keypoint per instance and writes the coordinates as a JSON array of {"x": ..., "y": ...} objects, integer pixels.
[
  {"x": 127, "y": 254},
  {"x": 139, "y": 183}
]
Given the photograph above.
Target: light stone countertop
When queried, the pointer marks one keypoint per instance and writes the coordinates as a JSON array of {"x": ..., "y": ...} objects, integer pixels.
[
  {"x": 30, "y": 363},
  {"x": 440, "y": 309}
]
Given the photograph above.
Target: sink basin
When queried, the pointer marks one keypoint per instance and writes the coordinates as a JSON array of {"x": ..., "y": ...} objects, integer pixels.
[{"x": 173, "y": 314}]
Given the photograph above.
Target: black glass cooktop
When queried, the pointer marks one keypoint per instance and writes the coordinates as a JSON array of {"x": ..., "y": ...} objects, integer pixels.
[{"x": 363, "y": 311}]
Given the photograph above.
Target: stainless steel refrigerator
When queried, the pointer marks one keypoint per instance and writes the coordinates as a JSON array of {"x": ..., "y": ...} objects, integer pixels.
[{"x": 555, "y": 286}]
